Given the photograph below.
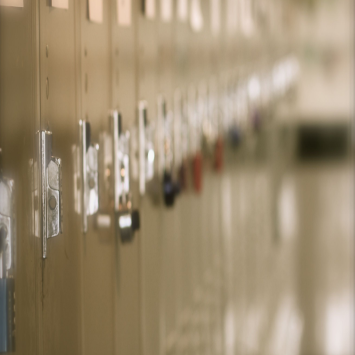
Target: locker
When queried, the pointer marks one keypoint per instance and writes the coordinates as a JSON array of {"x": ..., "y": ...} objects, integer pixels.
[
  {"x": 150, "y": 237},
  {"x": 168, "y": 224},
  {"x": 60, "y": 311},
  {"x": 19, "y": 120},
  {"x": 94, "y": 56},
  {"x": 127, "y": 256}
]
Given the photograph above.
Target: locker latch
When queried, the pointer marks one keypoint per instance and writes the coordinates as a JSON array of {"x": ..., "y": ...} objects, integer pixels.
[
  {"x": 48, "y": 204},
  {"x": 181, "y": 141},
  {"x": 86, "y": 175},
  {"x": 146, "y": 147},
  {"x": 211, "y": 128},
  {"x": 170, "y": 187},
  {"x": 126, "y": 219},
  {"x": 195, "y": 130},
  {"x": 7, "y": 252}
]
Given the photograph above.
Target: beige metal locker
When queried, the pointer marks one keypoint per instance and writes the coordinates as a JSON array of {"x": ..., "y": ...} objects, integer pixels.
[
  {"x": 61, "y": 312},
  {"x": 18, "y": 122}
]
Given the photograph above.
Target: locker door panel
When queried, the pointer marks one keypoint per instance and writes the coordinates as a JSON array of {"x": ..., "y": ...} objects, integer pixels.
[
  {"x": 98, "y": 245},
  {"x": 168, "y": 215},
  {"x": 181, "y": 243},
  {"x": 61, "y": 269},
  {"x": 150, "y": 234},
  {"x": 18, "y": 112},
  {"x": 126, "y": 275}
]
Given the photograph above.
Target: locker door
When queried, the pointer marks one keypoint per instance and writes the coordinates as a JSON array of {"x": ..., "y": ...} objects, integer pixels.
[
  {"x": 126, "y": 273},
  {"x": 147, "y": 55},
  {"x": 18, "y": 121},
  {"x": 98, "y": 250},
  {"x": 168, "y": 217},
  {"x": 181, "y": 238},
  {"x": 61, "y": 284}
]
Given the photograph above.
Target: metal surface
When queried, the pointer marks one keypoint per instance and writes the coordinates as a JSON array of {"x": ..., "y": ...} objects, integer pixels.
[
  {"x": 50, "y": 195},
  {"x": 86, "y": 175},
  {"x": 7, "y": 265},
  {"x": 227, "y": 270}
]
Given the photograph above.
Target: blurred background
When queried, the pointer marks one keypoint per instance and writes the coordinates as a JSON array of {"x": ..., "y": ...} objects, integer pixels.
[{"x": 315, "y": 196}]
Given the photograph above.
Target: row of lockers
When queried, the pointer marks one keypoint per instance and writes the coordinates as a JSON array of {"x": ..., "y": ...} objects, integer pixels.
[{"x": 70, "y": 77}]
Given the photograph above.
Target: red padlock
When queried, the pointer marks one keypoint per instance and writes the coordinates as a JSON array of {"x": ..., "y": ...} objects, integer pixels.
[
  {"x": 197, "y": 172},
  {"x": 218, "y": 154}
]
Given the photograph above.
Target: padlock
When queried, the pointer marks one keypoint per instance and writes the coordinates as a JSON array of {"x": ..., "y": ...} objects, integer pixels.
[
  {"x": 170, "y": 189},
  {"x": 128, "y": 222},
  {"x": 86, "y": 175},
  {"x": 7, "y": 261},
  {"x": 47, "y": 191}
]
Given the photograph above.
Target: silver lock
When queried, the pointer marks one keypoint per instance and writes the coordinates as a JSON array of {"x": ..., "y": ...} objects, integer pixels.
[
  {"x": 166, "y": 154},
  {"x": 165, "y": 137},
  {"x": 7, "y": 265},
  {"x": 86, "y": 175},
  {"x": 146, "y": 152},
  {"x": 120, "y": 161},
  {"x": 46, "y": 191},
  {"x": 178, "y": 129},
  {"x": 193, "y": 122},
  {"x": 116, "y": 145},
  {"x": 160, "y": 134},
  {"x": 181, "y": 128},
  {"x": 206, "y": 117}
]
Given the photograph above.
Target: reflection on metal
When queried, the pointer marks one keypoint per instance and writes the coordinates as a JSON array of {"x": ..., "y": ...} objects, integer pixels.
[
  {"x": 145, "y": 146},
  {"x": 86, "y": 177},
  {"x": 46, "y": 191},
  {"x": 120, "y": 154},
  {"x": 116, "y": 145},
  {"x": 7, "y": 265}
]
